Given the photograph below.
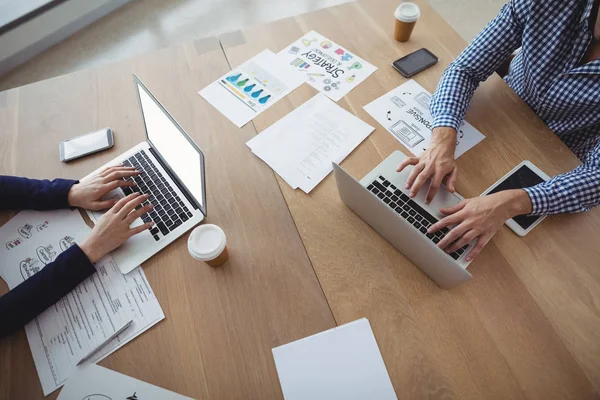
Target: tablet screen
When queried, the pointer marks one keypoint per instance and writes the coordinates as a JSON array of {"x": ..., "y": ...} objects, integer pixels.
[{"x": 521, "y": 178}]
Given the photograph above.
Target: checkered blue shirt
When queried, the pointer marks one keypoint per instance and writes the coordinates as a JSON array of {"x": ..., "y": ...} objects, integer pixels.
[{"x": 553, "y": 35}]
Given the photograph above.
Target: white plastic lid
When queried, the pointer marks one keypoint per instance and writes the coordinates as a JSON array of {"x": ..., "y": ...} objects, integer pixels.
[
  {"x": 408, "y": 12},
  {"x": 207, "y": 242}
]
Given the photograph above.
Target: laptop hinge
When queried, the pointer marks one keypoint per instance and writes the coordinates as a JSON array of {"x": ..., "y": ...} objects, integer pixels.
[{"x": 181, "y": 186}]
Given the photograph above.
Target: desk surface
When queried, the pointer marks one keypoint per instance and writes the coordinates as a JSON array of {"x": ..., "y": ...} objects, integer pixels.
[{"x": 525, "y": 327}]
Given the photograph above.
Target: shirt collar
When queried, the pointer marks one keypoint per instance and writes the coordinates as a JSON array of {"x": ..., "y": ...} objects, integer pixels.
[{"x": 587, "y": 11}]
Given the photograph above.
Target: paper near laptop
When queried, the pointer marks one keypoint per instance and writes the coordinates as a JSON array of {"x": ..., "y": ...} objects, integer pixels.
[
  {"x": 83, "y": 319},
  {"x": 341, "y": 363},
  {"x": 301, "y": 146},
  {"x": 404, "y": 112},
  {"x": 330, "y": 68},
  {"x": 98, "y": 383},
  {"x": 251, "y": 88}
]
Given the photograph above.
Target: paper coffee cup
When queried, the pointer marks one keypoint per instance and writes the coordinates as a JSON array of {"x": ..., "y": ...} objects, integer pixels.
[
  {"x": 208, "y": 243},
  {"x": 407, "y": 15}
]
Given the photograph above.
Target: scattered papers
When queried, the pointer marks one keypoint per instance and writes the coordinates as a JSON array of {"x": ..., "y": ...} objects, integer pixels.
[
  {"x": 33, "y": 239},
  {"x": 251, "y": 88},
  {"x": 98, "y": 383},
  {"x": 301, "y": 146},
  {"x": 330, "y": 68},
  {"x": 404, "y": 112},
  {"x": 64, "y": 333},
  {"x": 341, "y": 363}
]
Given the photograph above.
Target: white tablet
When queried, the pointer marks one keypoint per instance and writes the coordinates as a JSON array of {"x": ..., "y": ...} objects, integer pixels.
[{"x": 523, "y": 175}]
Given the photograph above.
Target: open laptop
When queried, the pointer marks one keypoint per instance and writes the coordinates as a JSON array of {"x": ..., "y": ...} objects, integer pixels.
[
  {"x": 172, "y": 173},
  {"x": 381, "y": 200}
]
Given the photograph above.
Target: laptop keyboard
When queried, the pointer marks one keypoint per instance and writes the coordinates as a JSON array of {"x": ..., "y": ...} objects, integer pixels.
[
  {"x": 408, "y": 209},
  {"x": 169, "y": 211}
]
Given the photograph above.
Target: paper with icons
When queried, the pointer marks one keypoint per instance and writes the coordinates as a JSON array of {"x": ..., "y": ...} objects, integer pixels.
[
  {"x": 98, "y": 383},
  {"x": 251, "y": 88},
  {"x": 329, "y": 67},
  {"x": 404, "y": 112}
]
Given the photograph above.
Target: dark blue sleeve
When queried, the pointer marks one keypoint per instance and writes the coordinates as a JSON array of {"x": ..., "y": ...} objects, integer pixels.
[
  {"x": 33, "y": 194},
  {"x": 42, "y": 290}
]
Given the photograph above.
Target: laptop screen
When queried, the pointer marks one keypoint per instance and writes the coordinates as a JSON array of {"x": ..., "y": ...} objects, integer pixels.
[{"x": 173, "y": 145}]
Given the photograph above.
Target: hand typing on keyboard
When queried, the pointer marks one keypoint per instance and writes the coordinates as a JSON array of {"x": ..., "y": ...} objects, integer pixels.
[
  {"x": 89, "y": 193},
  {"x": 480, "y": 218},
  {"x": 113, "y": 229}
]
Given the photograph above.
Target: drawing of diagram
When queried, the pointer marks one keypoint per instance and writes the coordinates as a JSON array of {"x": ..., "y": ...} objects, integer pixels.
[
  {"x": 423, "y": 99},
  {"x": 406, "y": 134}
]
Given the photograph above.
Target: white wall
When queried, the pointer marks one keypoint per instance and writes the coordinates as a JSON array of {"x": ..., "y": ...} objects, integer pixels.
[{"x": 31, "y": 38}]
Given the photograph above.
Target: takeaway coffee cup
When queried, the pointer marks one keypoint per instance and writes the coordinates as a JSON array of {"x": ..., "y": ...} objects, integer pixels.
[
  {"x": 407, "y": 15},
  {"x": 208, "y": 243}
]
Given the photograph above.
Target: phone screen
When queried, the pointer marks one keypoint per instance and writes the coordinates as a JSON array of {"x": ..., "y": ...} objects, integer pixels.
[
  {"x": 521, "y": 178},
  {"x": 81, "y": 145},
  {"x": 415, "y": 62}
]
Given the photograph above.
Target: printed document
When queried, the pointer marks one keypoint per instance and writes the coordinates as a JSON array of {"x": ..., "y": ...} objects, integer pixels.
[
  {"x": 341, "y": 363},
  {"x": 83, "y": 319},
  {"x": 404, "y": 112},
  {"x": 301, "y": 146},
  {"x": 94, "y": 382},
  {"x": 329, "y": 67},
  {"x": 251, "y": 88}
]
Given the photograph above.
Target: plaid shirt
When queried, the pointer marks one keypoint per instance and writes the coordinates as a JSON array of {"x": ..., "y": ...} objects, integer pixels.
[{"x": 554, "y": 36}]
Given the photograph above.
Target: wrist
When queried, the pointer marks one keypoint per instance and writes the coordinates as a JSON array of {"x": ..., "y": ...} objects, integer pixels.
[
  {"x": 72, "y": 195},
  {"x": 90, "y": 252},
  {"x": 444, "y": 134},
  {"x": 518, "y": 203}
]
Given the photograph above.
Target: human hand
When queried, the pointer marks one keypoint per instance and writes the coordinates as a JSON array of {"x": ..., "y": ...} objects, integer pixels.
[
  {"x": 436, "y": 163},
  {"x": 113, "y": 229},
  {"x": 87, "y": 194},
  {"x": 480, "y": 218}
]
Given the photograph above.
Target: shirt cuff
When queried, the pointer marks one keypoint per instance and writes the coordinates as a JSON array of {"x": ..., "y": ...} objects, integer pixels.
[
  {"x": 539, "y": 200},
  {"x": 446, "y": 120},
  {"x": 77, "y": 257},
  {"x": 62, "y": 187}
]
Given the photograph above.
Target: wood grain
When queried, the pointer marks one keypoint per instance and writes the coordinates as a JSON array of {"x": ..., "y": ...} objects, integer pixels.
[
  {"x": 221, "y": 323},
  {"x": 527, "y": 325}
]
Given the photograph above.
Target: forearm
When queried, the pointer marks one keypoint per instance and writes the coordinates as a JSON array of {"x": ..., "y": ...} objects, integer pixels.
[
  {"x": 42, "y": 290},
  {"x": 476, "y": 63},
  {"x": 33, "y": 194}
]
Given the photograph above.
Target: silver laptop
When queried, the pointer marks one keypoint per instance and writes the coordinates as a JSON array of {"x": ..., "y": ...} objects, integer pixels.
[
  {"x": 172, "y": 173},
  {"x": 381, "y": 200}
]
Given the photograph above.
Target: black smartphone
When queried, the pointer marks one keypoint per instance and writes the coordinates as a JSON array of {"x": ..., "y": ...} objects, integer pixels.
[{"x": 415, "y": 62}]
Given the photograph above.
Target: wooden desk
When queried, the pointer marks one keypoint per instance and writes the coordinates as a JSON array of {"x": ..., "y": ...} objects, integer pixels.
[
  {"x": 528, "y": 324},
  {"x": 525, "y": 327},
  {"x": 221, "y": 323}
]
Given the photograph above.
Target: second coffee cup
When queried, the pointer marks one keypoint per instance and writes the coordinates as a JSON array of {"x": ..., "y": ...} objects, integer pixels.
[
  {"x": 407, "y": 15},
  {"x": 208, "y": 243}
]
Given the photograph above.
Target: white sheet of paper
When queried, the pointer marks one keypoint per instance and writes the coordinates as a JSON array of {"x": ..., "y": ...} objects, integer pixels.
[
  {"x": 330, "y": 68},
  {"x": 64, "y": 333},
  {"x": 301, "y": 146},
  {"x": 32, "y": 239},
  {"x": 251, "y": 88},
  {"x": 98, "y": 383},
  {"x": 341, "y": 363},
  {"x": 404, "y": 112}
]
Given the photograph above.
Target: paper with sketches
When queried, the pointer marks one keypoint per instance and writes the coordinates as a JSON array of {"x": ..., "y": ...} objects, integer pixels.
[
  {"x": 330, "y": 68},
  {"x": 98, "y": 383},
  {"x": 64, "y": 333},
  {"x": 301, "y": 146},
  {"x": 404, "y": 112},
  {"x": 23, "y": 250},
  {"x": 340, "y": 363},
  {"x": 251, "y": 88}
]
